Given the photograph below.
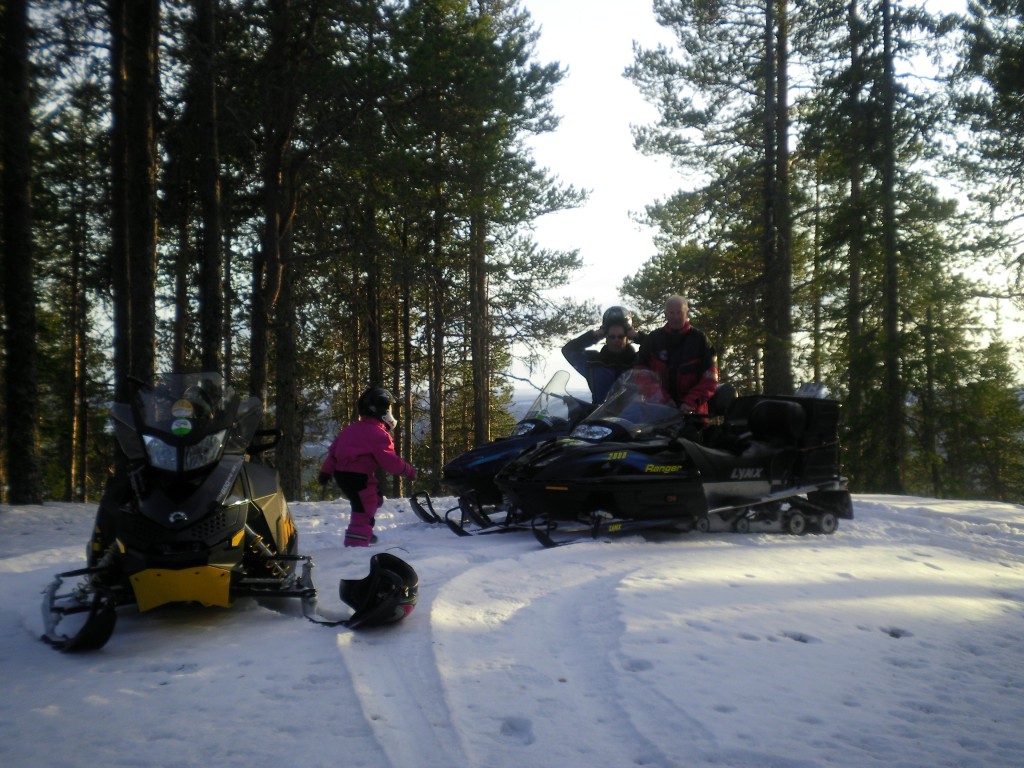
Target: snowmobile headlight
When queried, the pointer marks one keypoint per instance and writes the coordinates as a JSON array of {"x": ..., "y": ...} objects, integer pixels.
[
  {"x": 165, "y": 457},
  {"x": 591, "y": 432},
  {"x": 523, "y": 428},
  {"x": 206, "y": 451},
  {"x": 161, "y": 455}
]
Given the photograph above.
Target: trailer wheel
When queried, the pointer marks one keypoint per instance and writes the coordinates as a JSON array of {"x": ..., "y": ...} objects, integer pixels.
[
  {"x": 796, "y": 524},
  {"x": 742, "y": 525},
  {"x": 703, "y": 524},
  {"x": 828, "y": 523}
]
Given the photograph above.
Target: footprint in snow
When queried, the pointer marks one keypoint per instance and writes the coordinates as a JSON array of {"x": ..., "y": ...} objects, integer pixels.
[
  {"x": 896, "y": 632},
  {"x": 518, "y": 730},
  {"x": 801, "y": 637},
  {"x": 637, "y": 665}
]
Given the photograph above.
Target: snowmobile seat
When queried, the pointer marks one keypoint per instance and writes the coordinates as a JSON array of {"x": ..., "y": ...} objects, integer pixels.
[
  {"x": 777, "y": 420},
  {"x": 759, "y": 423}
]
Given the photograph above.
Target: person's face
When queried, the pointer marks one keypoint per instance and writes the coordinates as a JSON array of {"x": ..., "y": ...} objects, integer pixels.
[
  {"x": 616, "y": 339},
  {"x": 676, "y": 314}
]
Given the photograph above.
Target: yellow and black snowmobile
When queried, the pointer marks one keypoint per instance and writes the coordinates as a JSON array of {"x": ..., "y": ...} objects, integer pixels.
[{"x": 193, "y": 520}]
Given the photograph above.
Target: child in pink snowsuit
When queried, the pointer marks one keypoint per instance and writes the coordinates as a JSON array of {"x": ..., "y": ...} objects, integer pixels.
[{"x": 353, "y": 459}]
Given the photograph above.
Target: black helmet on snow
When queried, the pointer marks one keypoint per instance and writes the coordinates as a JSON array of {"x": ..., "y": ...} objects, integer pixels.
[
  {"x": 616, "y": 316},
  {"x": 375, "y": 401},
  {"x": 387, "y": 595}
]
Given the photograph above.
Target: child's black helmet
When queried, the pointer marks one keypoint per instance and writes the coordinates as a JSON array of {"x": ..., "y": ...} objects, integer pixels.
[
  {"x": 616, "y": 316},
  {"x": 387, "y": 595},
  {"x": 375, "y": 401}
]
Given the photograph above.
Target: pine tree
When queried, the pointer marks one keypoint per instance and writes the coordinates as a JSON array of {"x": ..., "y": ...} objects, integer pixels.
[{"x": 19, "y": 296}]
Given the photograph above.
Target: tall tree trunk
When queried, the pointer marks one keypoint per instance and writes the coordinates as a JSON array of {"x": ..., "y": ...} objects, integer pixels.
[
  {"x": 288, "y": 418},
  {"x": 119, "y": 280},
  {"x": 436, "y": 319},
  {"x": 397, "y": 482},
  {"x": 778, "y": 374},
  {"x": 226, "y": 333},
  {"x": 817, "y": 278},
  {"x": 371, "y": 292},
  {"x": 479, "y": 331},
  {"x": 278, "y": 116},
  {"x": 81, "y": 404},
  {"x": 892, "y": 479},
  {"x": 853, "y": 161},
  {"x": 783, "y": 278},
  {"x": 929, "y": 407},
  {"x": 435, "y": 330},
  {"x": 179, "y": 345},
  {"x": 407, "y": 350},
  {"x": 142, "y": 89},
  {"x": 24, "y": 474},
  {"x": 75, "y": 489},
  {"x": 211, "y": 297}
]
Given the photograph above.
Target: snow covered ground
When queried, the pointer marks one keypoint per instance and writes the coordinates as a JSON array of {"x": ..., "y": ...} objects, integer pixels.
[{"x": 896, "y": 642}]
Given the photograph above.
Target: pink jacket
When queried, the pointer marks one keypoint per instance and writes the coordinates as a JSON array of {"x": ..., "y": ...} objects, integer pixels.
[{"x": 363, "y": 446}]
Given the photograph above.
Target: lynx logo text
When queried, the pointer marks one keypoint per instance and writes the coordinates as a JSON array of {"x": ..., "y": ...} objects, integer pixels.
[{"x": 750, "y": 473}]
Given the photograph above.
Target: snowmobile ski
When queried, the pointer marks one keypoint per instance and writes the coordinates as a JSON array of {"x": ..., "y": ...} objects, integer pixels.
[
  {"x": 90, "y": 609},
  {"x": 461, "y": 527},
  {"x": 423, "y": 506},
  {"x": 601, "y": 524}
]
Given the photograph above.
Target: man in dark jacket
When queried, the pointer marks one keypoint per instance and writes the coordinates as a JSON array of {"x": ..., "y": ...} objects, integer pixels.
[
  {"x": 602, "y": 367},
  {"x": 682, "y": 357}
]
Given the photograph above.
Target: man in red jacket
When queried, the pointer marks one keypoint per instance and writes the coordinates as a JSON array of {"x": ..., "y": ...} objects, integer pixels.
[
  {"x": 353, "y": 460},
  {"x": 682, "y": 357}
]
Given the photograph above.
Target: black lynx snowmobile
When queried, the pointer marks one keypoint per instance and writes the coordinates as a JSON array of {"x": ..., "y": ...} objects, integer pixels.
[
  {"x": 771, "y": 464},
  {"x": 470, "y": 476},
  {"x": 193, "y": 520}
]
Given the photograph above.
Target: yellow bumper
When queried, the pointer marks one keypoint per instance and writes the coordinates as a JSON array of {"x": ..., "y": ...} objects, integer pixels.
[{"x": 203, "y": 584}]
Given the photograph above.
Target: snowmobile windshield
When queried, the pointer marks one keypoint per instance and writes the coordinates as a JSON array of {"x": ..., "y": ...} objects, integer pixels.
[
  {"x": 554, "y": 407},
  {"x": 185, "y": 422},
  {"x": 637, "y": 405}
]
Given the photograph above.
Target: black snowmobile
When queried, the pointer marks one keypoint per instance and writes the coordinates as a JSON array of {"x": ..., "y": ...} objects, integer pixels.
[
  {"x": 193, "y": 520},
  {"x": 769, "y": 463},
  {"x": 470, "y": 476}
]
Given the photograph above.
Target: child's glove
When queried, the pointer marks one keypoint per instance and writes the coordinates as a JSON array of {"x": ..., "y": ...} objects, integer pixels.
[{"x": 323, "y": 478}]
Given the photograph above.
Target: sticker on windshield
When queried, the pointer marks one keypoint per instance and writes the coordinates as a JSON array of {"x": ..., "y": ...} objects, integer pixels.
[
  {"x": 181, "y": 426},
  {"x": 183, "y": 409}
]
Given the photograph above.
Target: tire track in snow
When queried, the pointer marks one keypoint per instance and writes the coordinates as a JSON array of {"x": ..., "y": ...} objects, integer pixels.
[
  {"x": 557, "y": 706},
  {"x": 397, "y": 682}
]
